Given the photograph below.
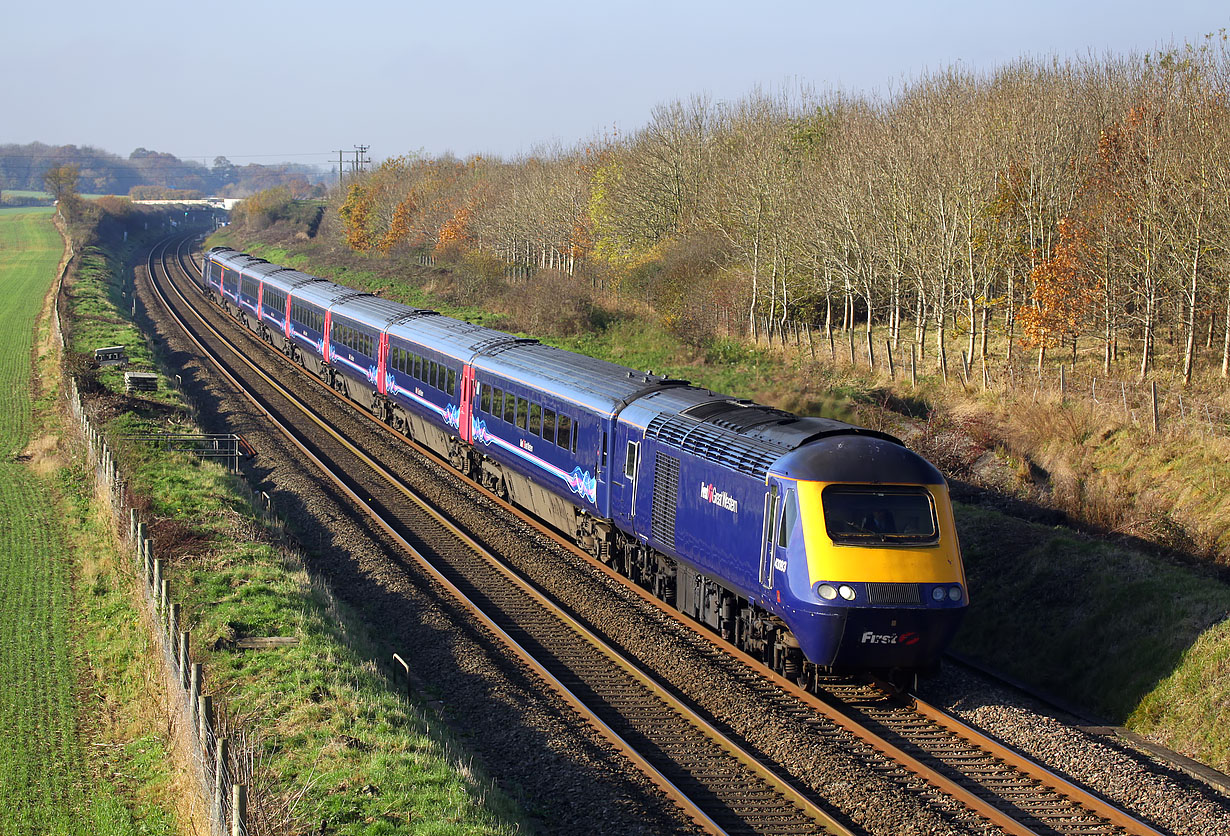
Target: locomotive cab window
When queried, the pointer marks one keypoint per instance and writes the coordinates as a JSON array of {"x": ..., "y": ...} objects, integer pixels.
[
  {"x": 790, "y": 515},
  {"x": 859, "y": 515}
]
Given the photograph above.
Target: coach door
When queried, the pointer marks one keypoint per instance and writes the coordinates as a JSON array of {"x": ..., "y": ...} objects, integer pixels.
[
  {"x": 465, "y": 421},
  {"x": 772, "y": 506},
  {"x": 625, "y": 469}
]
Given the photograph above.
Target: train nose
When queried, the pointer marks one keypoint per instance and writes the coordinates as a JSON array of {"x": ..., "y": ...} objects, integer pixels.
[{"x": 875, "y": 638}]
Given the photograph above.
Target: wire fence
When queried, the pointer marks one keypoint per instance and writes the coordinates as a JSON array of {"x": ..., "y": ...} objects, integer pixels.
[{"x": 1157, "y": 404}]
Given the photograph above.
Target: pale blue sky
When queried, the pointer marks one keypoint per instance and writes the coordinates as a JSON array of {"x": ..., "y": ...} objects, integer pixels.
[{"x": 263, "y": 82}]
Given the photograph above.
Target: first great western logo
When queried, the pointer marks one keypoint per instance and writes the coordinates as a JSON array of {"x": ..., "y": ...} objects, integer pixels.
[{"x": 713, "y": 496}]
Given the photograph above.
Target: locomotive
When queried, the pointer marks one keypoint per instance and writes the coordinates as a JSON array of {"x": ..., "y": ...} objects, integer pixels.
[{"x": 812, "y": 544}]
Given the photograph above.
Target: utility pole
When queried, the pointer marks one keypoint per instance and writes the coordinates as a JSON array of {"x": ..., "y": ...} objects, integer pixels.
[
  {"x": 360, "y": 156},
  {"x": 339, "y": 168}
]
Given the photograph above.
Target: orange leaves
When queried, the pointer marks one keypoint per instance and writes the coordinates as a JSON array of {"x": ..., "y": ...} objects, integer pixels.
[
  {"x": 1065, "y": 292},
  {"x": 356, "y": 217}
]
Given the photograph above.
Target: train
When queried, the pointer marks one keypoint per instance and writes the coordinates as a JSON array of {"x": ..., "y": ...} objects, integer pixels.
[{"x": 814, "y": 545}]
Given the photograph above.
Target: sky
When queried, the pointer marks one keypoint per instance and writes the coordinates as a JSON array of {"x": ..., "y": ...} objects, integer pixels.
[{"x": 269, "y": 82}]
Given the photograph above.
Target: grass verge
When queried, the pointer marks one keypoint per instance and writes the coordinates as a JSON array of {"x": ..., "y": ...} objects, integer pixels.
[{"x": 330, "y": 744}]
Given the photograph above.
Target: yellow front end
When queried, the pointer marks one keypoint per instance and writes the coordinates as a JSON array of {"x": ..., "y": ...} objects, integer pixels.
[{"x": 828, "y": 561}]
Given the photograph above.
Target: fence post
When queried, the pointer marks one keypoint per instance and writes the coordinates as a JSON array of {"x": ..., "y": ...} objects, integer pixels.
[
  {"x": 157, "y": 585},
  {"x": 913, "y": 366},
  {"x": 1127, "y": 413},
  {"x": 194, "y": 697},
  {"x": 185, "y": 664},
  {"x": 239, "y": 810},
  {"x": 220, "y": 779},
  {"x": 871, "y": 355},
  {"x": 205, "y": 710},
  {"x": 888, "y": 353},
  {"x": 1153, "y": 397},
  {"x": 1063, "y": 382}
]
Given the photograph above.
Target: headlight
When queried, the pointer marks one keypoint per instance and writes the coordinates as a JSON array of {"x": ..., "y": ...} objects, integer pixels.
[
  {"x": 826, "y": 591},
  {"x": 846, "y": 592},
  {"x": 954, "y": 593},
  {"x": 937, "y": 594}
]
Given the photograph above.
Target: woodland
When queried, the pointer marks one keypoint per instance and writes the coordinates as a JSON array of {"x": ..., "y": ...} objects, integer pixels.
[{"x": 1074, "y": 206}]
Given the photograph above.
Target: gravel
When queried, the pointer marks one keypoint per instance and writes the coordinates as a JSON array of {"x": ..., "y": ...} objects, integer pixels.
[{"x": 1153, "y": 790}]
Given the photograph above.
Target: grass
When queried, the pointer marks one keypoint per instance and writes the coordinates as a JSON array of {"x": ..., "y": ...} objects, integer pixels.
[
  {"x": 1140, "y": 638},
  {"x": 48, "y": 782},
  {"x": 332, "y": 739}
]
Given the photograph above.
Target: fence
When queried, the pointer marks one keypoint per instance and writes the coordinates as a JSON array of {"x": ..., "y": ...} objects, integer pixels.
[
  {"x": 1152, "y": 403},
  {"x": 217, "y": 763}
]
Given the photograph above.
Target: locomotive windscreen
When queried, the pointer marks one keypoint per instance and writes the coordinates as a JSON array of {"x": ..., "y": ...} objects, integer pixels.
[{"x": 859, "y": 516}]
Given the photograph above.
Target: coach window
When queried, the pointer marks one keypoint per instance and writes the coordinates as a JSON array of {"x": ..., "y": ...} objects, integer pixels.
[
  {"x": 535, "y": 419},
  {"x": 548, "y": 424},
  {"x": 484, "y": 399},
  {"x": 497, "y": 403},
  {"x": 523, "y": 409},
  {"x": 510, "y": 408},
  {"x": 452, "y": 381},
  {"x": 563, "y": 433}
]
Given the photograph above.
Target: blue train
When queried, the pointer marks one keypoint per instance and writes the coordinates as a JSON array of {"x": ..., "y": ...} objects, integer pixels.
[{"x": 812, "y": 544}]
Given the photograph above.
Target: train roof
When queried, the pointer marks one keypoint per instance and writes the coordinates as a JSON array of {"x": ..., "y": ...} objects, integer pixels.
[
  {"x": 325, "y": 294},
  {"x": 453, "y": 338},
  {"x": 736, "y": 433},
  {"x": 371, "y": 311},
  {"x": 235, "y": 259},
  {"x": 598, "y": 385},
  {"x": 287, "y": 280}
]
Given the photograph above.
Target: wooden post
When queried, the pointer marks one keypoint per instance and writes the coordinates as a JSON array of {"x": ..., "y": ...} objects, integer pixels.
[
  {"x": 239, "y": 810},
  {"x": 220, "y": 753},
  {"x": 185, "y": 663},
  {"x": 810, "y": 343},
  {"x": 913, "y": 365},
  {"x": 132, "y": 526},
  {"x": 1127, "y": 413},
  {"x": 1063, "y": 382},
  {"x": 148, "y": 549},
  {"x": 205, "y": 719},
  {"x": 164, "y": 596},
  {"x": 194, "y": 697},
  {"x": 832, "y": 346},
  {"x": 850, "y": 334},
  {"x": 888, "y": 353},
  {"x": 141, "y": 534},
  {"x": 157, "y": 585},
  {"x": 871, "y": 355},
  {"x": 1153, "y": 397},
  {"x": 173, "y": 629}
]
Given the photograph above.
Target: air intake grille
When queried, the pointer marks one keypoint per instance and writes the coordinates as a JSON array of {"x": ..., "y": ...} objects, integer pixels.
[
  {"x": 665, "y": 498},
  {"x": 893, "y": 593}
]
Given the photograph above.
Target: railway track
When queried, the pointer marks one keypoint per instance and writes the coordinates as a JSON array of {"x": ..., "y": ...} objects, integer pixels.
[
  {"x": 907, "y": 740},
  {"x": 720, "y": 784}
]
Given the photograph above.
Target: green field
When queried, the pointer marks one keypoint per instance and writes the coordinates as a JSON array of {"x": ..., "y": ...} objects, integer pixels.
[{"x": 45, "y": 781}]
